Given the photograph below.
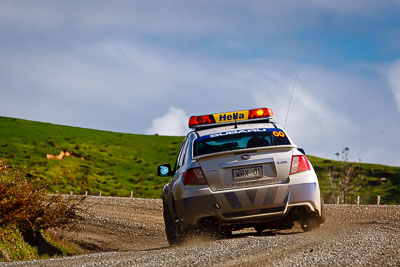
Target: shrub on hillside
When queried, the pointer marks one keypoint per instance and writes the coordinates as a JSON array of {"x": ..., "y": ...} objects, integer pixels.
[{"x": 25, "y": 203}]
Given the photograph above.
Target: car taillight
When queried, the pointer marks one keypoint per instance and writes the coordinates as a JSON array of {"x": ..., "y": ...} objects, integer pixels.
[
  {"x": 299, "y": 164},
  {"x": 194, "y": 176}
]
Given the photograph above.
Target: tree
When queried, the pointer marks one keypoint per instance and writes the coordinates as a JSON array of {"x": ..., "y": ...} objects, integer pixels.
[
  {"x": 25, "y": 204},
  {"x": 344, "y": 177}
]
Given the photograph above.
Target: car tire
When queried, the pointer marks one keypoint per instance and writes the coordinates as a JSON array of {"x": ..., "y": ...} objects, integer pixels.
[
  {"x": 172, "y": 230},
  {"x": 314, "y": 222}
]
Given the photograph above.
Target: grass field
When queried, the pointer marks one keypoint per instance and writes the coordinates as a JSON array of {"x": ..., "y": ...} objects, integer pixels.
[
  {"x": 113, "y": 163},
  {"x": 375, "y": 179},
  {"x": 117, "y": 163}
]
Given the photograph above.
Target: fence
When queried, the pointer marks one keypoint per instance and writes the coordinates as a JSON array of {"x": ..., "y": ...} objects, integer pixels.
[
  {"x": 378, "y": 200},
  {"x": 99, "y": 194}
]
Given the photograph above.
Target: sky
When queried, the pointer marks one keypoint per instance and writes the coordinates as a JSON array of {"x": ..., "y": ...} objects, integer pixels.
[{"x": 144, "y": 67}]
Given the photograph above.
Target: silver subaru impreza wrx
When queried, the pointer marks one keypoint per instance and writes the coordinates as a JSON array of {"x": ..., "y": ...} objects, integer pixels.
[{"x": 235, "y": 170}]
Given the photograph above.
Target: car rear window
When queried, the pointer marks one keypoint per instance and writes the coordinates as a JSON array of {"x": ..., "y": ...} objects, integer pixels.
[{"x": 239, "y": 139}]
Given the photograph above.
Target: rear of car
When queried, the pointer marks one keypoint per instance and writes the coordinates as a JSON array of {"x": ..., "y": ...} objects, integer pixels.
[{"x": 240, "y": 174}]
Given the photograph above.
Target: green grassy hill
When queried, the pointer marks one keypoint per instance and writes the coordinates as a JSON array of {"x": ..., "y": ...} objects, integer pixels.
[
  {"x": 117, "y": 163},
  {"x": 375, "y": 179},
  {"x": 113, "y": 163}
]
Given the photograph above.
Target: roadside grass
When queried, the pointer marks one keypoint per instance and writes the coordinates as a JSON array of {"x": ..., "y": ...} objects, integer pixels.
[
  {"x": 13, "y": 247},
  {"x": 118, "y": 163}
]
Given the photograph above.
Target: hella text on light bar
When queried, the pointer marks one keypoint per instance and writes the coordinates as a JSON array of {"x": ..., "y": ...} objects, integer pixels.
[{"x": 230, "y": 117}]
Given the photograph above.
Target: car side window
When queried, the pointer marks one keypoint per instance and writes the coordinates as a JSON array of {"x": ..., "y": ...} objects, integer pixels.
[{"x": 181, "y": 157}]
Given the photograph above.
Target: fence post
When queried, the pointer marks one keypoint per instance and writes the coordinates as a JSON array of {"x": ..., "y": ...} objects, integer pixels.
[
  {"x": 86, "y": 193},
  {"x": 358, "y": 200},
  {"x": 100, "y": 193},
  {"x": 378, "y": 200},
  {"x": 337, "y": 200},
  {"x": 131, "y": 194}
]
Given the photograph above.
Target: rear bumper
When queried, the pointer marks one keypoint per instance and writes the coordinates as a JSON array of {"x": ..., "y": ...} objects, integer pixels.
[{"x": 250, "y": 205}]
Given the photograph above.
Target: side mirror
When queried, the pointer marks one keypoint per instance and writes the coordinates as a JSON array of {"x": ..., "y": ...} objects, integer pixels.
[
  {"x": 301, "y": 151},
  {"x": 164, "y": 170}
]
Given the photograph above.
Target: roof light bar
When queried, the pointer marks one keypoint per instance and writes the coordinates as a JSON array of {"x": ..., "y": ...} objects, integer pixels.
[
  {"x": 229, "y": 117},
  {"x": 201, "y": 120},
  {"x": 260, "y": 113}
]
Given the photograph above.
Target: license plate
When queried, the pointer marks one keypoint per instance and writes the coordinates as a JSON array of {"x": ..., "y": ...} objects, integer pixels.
[{"x": 247, "y": 173}]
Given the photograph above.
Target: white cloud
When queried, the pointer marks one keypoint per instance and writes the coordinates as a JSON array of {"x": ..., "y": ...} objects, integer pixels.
[
  {"x": 312, "y": 123},
  {"x": 109, "y": 85},
  {"x": 107, "y": 65},
  {"x": 189, "y": 18},
  {"x": 393, "y": 76},
  {"x": 116, "y": 86},
  {"x": 174, "y": 123}
]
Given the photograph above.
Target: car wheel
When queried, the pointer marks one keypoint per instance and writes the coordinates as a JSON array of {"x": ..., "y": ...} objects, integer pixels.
[
  {"x": 314, "y": 222},
  {"x": 172, "y": 230}
]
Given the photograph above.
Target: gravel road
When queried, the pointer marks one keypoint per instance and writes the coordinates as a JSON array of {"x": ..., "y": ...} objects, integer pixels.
[{"x": 126, "y": 232}]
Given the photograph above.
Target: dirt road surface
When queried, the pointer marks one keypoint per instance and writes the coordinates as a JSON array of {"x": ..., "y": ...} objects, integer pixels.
[{"x": 130, "y": 232}]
